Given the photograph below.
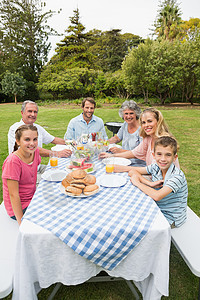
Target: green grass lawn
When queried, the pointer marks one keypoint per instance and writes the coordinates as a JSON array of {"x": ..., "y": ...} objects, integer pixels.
[{"x": 184, "y": 123}]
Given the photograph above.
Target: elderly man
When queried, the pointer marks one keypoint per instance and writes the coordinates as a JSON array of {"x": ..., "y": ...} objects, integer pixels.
[
  {"x": 86, "y": 122},
  {"x": 29, "y": 113}
]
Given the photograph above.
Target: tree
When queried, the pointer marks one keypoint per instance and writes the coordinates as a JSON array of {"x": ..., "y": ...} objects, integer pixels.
[
  {"x": 73, "y": 49},
  {"x": 168, "y": 21},
  {"x": 136, "y": 69},
  {"x": 189, "y": 61},
  {"x": 164, "y": 68},
  {"x": 13, "y": 84},
  {"x": 190, "y": 29},
  {"x": 109, "y": 50},
  {"x": 24, "y": 37},
  {"x": 69, "y": 83}
]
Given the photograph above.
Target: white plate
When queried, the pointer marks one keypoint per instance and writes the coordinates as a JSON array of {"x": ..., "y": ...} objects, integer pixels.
[
  {"x": 61, "y": 147},
  {"x": 54, "y": 175},
  {"x": 118, "y": 161},
  {"x": 112, "y": 180},
  {"x": 62, "y": 189},
  {"x": 114, "y": 145}
]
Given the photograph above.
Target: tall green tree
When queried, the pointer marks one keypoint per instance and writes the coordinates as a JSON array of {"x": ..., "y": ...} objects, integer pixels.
[
  {"x": 164, "y": 68},
  {"x": 73, "y": 49},
  {"x": 24, "y": 37},
  {"x": 136, "y": 69},
  {"x": 109, "y": 50},
  {"x": 168, "y": 20},
  {"x": 189, "y": 61},
  {"x": 13, "y": 84}
]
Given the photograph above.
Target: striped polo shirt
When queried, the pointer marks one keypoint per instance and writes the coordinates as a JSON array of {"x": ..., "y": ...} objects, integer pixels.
[{"x": 174, "y": 205}]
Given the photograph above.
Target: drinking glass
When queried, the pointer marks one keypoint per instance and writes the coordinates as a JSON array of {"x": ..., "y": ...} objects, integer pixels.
[
  {"x": 53, "y": 158},
  {"x": 110, "y": 165},
  {"x": 80, "y": 147}
]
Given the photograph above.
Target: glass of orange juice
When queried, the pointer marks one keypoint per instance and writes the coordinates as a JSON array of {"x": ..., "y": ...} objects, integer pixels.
[
  {"x": 110, "y": 165},
  {"x": 80, "y": 147},
  {"x": 53, "y": 158}
]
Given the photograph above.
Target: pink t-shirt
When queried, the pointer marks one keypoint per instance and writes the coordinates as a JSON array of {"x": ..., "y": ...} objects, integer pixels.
[
  {"x": 143, "y": 151},
  {"x": 26, "y": 174}
]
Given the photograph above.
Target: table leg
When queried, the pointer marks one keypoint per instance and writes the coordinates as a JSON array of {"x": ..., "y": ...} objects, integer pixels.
[{"x": 53, "y": 293}]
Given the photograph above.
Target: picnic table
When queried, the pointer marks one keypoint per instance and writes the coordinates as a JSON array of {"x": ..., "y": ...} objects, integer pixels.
[{"x": 70, "y": 240}]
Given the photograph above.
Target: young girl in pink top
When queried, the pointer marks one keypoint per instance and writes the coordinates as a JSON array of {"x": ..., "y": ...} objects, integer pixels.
[
  {"x": 153, "y": 126},
  {"x": 19, "y": 172}
]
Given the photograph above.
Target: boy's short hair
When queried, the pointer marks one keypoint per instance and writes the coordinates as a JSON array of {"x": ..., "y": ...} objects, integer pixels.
[
  {"x": 91, "y": 100},
  {"x": 166, "y": 141}
]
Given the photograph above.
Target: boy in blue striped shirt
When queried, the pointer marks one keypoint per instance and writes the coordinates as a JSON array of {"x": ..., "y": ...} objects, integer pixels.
[{"x": 169, "y": 186}]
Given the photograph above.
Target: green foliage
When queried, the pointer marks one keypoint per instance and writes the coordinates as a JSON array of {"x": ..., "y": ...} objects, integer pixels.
[
  {"x": 135, "y": 68},
  {"x": 168, "y": 22},
  {"x": 73, "y": 49},
  {"x": 13, "y": 84},
  {"x": 115, "y": 84},
  {"x": 164, "y": 69},
  {"x": 70, "y": 83},
  {"x": 24, "y": 38}
]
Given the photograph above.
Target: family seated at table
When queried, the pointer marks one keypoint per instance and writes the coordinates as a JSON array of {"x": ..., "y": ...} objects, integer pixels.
[{"x": 140, "y": 141}]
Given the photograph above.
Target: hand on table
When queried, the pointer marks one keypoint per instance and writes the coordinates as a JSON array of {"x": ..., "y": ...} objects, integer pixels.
[
  {"x": 131, "y": 172},
  {"x": 115, "y": 150},
  {"x": 64, "y": 153},
  {"x": 104, "y": 155}
]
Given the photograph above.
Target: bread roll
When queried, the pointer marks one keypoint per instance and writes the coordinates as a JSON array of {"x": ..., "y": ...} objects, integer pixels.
[
  {"x": 65, "y": 182},
  {"x": 90, "y": 189},
  {"x": 78, "y": 185},
  {"x": 78, "y": 174},
  {"x": 73, "y": 190},
  {"x": 69, "y": 177},
  {"x": 90, "y": 179}
]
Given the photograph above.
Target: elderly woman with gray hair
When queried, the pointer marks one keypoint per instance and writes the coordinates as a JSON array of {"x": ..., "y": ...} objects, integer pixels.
[{"x": 129, "y": 131}]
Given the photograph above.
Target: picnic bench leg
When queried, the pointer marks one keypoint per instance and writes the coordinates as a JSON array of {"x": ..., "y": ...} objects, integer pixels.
[
  {"x": 132, "y": 288},
  {"x": 56, "y": 288}
]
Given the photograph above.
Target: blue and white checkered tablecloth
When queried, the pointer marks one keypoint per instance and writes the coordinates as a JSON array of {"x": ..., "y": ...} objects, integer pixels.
[{"x": 103, "y": 228}]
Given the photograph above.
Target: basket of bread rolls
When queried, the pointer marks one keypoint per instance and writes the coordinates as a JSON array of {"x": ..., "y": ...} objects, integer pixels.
[{"x": 79, "y": 184}]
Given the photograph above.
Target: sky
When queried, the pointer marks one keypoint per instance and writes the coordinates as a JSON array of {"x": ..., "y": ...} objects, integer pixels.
[{"x": 131, "y": 16}]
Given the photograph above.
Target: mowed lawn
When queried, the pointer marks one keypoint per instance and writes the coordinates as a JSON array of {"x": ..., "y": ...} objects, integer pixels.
[{"x": 184, "y": 123}]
